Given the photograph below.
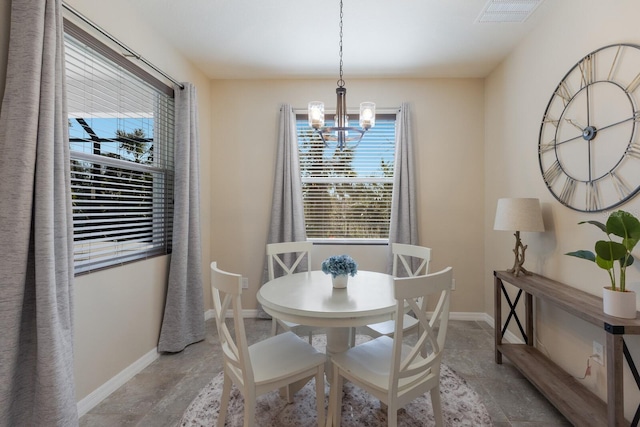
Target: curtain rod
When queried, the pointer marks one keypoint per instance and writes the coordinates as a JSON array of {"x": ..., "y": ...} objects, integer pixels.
[{"x": 121, "y": 44}]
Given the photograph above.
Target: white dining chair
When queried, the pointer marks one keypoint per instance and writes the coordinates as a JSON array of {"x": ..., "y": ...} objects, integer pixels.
[
  {"x": 408, "y": 261},
  {"x": 274, "y": 363},
  {"x": 394, "y": 372},
  {"x": 288, "y": 258}
]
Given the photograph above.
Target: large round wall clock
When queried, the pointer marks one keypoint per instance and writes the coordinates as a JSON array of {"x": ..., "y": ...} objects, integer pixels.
[{"x": 589, "y": 147}]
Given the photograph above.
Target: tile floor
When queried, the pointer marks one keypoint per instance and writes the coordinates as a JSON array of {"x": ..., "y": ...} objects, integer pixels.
[{"x": 159, "y": 394}]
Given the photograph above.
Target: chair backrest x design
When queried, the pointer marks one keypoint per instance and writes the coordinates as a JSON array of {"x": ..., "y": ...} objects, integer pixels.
[
  {"x": 285, "y": 258},
  {"x": 410, "y": 260},
  {"x": 408, "y": 369},
  {"x": 226, "y": 289}
]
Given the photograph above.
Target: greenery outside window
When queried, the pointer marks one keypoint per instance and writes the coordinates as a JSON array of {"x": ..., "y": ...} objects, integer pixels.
[
  {"x": 347, "y": 194},
  {"x": 121, "y": 142}
]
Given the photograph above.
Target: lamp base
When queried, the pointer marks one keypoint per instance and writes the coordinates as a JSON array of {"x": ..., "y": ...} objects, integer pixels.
[{"x": 517, "y": 268}]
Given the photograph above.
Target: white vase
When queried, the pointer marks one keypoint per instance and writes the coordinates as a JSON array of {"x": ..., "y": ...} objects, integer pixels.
[
  {"x": 340, "y": 281},
  {"x": 619, "y": 304}
]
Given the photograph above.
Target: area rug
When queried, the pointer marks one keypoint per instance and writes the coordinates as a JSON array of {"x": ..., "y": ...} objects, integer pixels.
[{"x": 461, "y": 406}]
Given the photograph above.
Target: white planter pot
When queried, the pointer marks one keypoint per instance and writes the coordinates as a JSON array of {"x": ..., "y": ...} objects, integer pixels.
[
  {"x": 340, "y": 281},
  {"x": 619, "y": 304}
]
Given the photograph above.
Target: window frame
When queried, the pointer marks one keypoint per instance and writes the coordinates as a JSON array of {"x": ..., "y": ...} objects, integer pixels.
[
  {"x": 381, "y": 114},
  {"x": 160, "y": 223}
]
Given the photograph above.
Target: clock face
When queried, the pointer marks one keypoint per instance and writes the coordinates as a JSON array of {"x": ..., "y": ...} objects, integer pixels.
[{"x": 589, "y": 147}]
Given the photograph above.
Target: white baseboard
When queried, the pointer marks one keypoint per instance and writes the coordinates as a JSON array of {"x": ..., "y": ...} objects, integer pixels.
[
  {"x": 102, "y": 392},
  {"x": 247, "y": 314}
]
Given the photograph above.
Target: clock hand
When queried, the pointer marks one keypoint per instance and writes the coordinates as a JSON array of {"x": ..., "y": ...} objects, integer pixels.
[
  {"x": 635, "y": 116},
  {"x": 578, "y": 126},
  {"x": 568, "y": 140}
]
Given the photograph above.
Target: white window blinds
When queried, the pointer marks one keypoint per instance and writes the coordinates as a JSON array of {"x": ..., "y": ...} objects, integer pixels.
[
  {"x": 121, "y": 141},
  {"x": 347, "y": 194}
]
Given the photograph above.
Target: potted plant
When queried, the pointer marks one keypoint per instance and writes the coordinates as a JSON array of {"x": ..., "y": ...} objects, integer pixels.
[
  {"x": 340, "y": 267},
  {"x": 617, "y": 301}
]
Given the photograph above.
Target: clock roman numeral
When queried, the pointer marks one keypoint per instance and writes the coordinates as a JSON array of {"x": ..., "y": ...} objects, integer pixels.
[
  {"x": 622, "y": 188},
  {"x": 633, "y": 150},
  {"x": 634, "y": 84},
  {"x": 568, "y": 190},
  {"x": 592, "y": 196},
  {"x": 551, "y": 120},
  {"x": 564, "y": 92},
  {"x": 614, "y": 64},
  {"x": 588, "y": 70},
  {"x": 552, "y": 173},
  {"x": 544, "y": 147}
]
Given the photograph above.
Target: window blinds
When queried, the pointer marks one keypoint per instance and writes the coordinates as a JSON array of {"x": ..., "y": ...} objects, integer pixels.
[
  {"x": 121, "y": 141},
  {"x": 347, "y": 194}
]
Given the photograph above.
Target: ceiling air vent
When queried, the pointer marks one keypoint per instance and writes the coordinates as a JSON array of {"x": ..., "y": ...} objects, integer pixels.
[{"x": 508, "y": 10}]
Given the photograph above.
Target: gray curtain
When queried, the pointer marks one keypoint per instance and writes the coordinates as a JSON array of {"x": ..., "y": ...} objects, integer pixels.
[
  {"x": 404, "y": 218},
  {"x": 36, "y": 229},
  {"x": 287, "y": 211},
  {"x": 183, "y": 321}
]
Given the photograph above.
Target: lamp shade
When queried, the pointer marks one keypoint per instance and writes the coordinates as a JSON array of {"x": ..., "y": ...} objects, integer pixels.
[{"x": 518, "y": 214}]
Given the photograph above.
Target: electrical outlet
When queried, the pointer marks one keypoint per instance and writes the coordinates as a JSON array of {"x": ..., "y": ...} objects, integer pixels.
[
  {"x": 245, "y": 283},
  {"x": 598, "y": 352},
  {"x": 453, "y": 284}
]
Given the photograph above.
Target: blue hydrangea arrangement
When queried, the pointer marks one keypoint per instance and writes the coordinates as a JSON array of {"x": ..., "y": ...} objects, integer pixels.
[{"x": 337, "y": 265}]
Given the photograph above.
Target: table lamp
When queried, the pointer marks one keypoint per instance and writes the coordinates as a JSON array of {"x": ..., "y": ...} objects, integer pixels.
[{"x": 518, "y": 214}]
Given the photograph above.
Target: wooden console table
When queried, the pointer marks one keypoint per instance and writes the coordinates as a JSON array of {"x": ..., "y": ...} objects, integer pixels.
[{"x": 573, "y": 400}]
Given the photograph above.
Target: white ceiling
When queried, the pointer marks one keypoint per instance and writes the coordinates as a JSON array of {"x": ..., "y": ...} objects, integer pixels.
[{"x": 299, "y": 38}]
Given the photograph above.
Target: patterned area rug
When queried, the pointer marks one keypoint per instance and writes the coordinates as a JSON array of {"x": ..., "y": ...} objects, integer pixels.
[{"x": 461, "y": 406}]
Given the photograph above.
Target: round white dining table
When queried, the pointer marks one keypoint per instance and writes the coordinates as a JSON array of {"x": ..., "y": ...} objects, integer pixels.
[{"x": 310, "y": 299}]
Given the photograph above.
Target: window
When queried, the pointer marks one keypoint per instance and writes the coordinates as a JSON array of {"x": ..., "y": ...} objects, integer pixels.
[
  {"x": 347, "y": 194},
  {"x": 121, "y": 142}
]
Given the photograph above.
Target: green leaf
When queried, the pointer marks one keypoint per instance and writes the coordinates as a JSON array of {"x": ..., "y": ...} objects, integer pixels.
[
  {"x": 598, "y": 224},
  {"x": 630, "y": 261},
  {"x": 588, "y": 255},
  {"x": 604, "y": 263},
  {"x": 610, "y": 251},
  {"x": 625, "y": 225}
]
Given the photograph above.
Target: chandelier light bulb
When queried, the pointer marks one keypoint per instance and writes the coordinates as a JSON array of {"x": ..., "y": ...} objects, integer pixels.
[
  {"x": 316, "y": 114},
  {"x": 367, "y": 115}
]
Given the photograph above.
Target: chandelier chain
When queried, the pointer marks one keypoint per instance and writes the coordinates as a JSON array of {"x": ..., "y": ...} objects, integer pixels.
[{"x": 341, "y": 80}]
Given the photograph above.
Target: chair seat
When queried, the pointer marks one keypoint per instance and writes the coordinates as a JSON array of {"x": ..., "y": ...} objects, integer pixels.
[
  {"x": 370, "y": 362},
  {"x": 282, "y": 356},
  {"x": 387, "y": 327}
]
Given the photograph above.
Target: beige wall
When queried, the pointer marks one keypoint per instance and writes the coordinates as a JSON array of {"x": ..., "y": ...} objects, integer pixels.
[
  {"x": 517, "y": 93},
  {"x": 447, "y": 118},
  {"x": 118, "y": 311}
]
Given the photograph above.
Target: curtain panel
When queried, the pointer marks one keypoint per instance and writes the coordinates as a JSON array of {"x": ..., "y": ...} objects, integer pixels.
[
  {"x": 403, "y": 227},
  {"x": 183, "y": 321},
  {"x": 36, "y": 228},
  {"x": 287, "y": 209}
]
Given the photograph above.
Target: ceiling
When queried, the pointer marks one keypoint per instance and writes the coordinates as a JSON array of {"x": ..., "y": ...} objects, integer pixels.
[{"x": 254, "y": 39}]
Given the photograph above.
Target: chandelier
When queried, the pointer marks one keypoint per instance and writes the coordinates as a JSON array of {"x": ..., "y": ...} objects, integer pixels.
[{"x": 340, "y": 133}]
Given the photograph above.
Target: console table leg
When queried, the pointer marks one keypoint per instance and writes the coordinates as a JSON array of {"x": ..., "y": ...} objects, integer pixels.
[
  {"x": 497, "y": 313},
  {"x": 528, "y": 303},
  {"x": 615, "y": 393}
]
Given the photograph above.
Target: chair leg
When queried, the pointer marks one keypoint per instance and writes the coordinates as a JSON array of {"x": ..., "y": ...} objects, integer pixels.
[
  {"x": 224, "y": 401},
  {"x": 392, "y": 415},
  {"x": 335, "y": 397},
  {"x": 437, "y": 406},
  {"x": 250, "y": 408},
  {"x": 320, "y": 396}
]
